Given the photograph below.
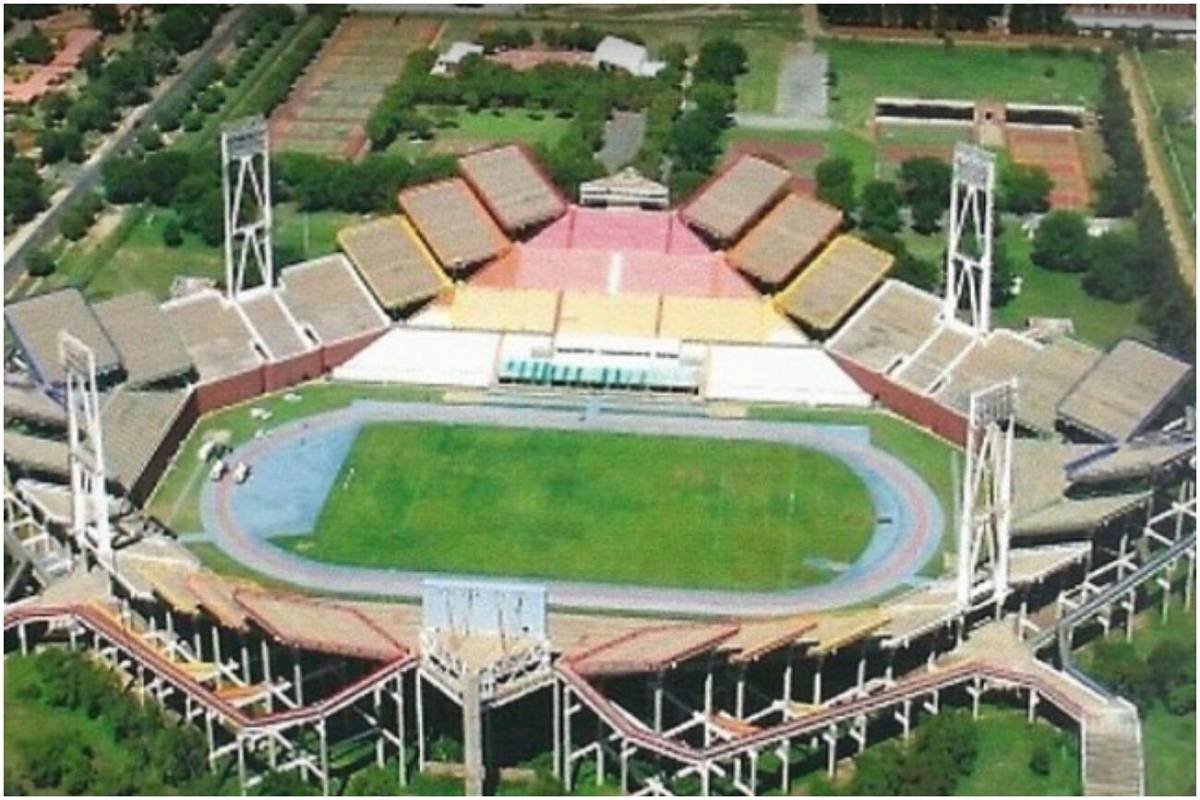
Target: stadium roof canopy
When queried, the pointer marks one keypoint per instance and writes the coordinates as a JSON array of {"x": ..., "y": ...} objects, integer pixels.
[
  {"x": 889, "y": 326},
  {"x": 36, "y": 322},
  {"x": 215, "y": 335},
  {"x": 35, "y": 453},
  {"x": 326, "y": 296},
  {"x": 322, "y": 626},
  {"x": 453, "y": 223},
  {"x": 831, "y": 286},
  {"x": 393, "y": 262},
  {"x": 736, "y": 197},
  {"x": 785, "y": 238},
  {"x": 135, "y": 423},
  {"x": 1046, "y": 379},
  {"x": 25, "y": 400},
  {"x": 922, "y": 371},
  {"x": 150, "y": 348},
  {"x": 512, "y": 187},
  {"x": 1125, "y": 389},
  {"x": 999, "y": 357},
  {"x": 278, "y": 332},
  {"x": 652, "y": 648}
]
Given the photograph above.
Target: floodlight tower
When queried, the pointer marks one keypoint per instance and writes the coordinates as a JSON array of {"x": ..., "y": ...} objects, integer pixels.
[
  {"x": 246, "y": 185},
  {"x": 89, "y": 496},
  {"x": 984, "y": 529},
  {"x": 969, "y": 255}
]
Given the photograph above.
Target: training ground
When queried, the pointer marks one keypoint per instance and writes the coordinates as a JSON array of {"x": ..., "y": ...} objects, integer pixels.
[{"x": 303, "y": 460}]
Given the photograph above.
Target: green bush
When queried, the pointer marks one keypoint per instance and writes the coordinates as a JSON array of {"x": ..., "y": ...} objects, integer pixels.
[
  {"x": 172, "y": 234},
  {"x": 39, "y": 264},
  {"x": 193, "y": 121},
  {"x": 74, "y": 225}
]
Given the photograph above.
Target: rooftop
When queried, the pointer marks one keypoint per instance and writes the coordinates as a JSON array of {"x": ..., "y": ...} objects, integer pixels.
[
  {"x": 512, "y": 187},
  {"x": 786, "y": 238},
  {"x": 215, "y": 335},
  {"x": 829, "y": 288},
  {"x": 36, "y": 322},
  {"x": 452, "y": 221},
  {"x": 150, "y": 348},
  {"x": 393, "y": 261},
  {"x": 889, "y": 326},
  {"x": 731, "y": 201},
  {"x": 326, "y": 296}
]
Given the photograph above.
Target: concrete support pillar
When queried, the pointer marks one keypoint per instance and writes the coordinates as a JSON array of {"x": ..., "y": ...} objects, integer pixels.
[
  {"x": 1033, "y": 703},
  {"x": 297, "y": 676},
  {"x": 566, "y": 734},
  {"x": 556, "y": 727},
  {"x": 740, "y": 695},
  {"x": 212, "y": 743},
  {"x": 241, "y": 763},
  {"x": 976, "y": 692},
  {"x": 1191, "y": 577},
  {"x": 216, "y": 646},
  {"x": 830, "y": 737},
  {"x": 785, "y": 766},
  {"x": 1130, "y": 606},
  {"x": 788, "y": 671},
  {"x": 377, "y": 710},
  {"x": 401, "y": 747},
  {"x": 246, "y": 675},
  {"x": 862, "y": 670},
  {"x": 625, "y": 753},
  {"x": 705, "y": 779},
  {"x": 658, "y": 704},
  {"x": 905, "y": 718},
  {"x": 817, "y": 680},
  {"x": 196, "y": 643},
  {"x": 599, "y": 752},
  {"x": 1165, "y": 583},
  {"x": 323, "y": 737},
  {"x": 23, "y": 637},
  {"x": 420, "y": 723},
  {"x": 754, "y": 772},
  {"x": 472, "y": 722},
  {"x": 708, "y": 701},
  {"x": 889, "y": 672}
]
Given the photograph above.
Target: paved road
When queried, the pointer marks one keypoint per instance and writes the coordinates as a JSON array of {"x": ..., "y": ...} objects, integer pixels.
[
  {"x": 909, "y": 518},
  {"x": 44, "y": 227},
  {"x": 1142, "y": 121}
]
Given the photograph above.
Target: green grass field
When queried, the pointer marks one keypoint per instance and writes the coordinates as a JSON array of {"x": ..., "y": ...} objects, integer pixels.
[
  {"x": 1171, "y": 78},
  {"x": 1058, "y": 294},
  {"x": 859, "y": 149},
  {"x": 597, "y": 506},
  {"x": 474, "y": 130},
  {"x": 866, "y": 70}
]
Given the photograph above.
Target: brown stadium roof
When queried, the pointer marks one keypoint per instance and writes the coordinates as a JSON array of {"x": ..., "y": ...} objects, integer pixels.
[
  {"x": 36, "y": 322},
  {"x": 453, "y": 223},
  {"x": 652, "y": 648},
  {"x": 150, "y": 348},
  {"x": 757, "y": 638},
  {"x": 893, "y": 323},
  {"x": 35, "y": 453},
  {"x": 998, "y": 358},
  {"x": 326, "y": 295},
  {"x": 278, "y": 332},
  {"x": 736, "y": 197},
  {"x": 324, "y": 626},
  {"x": 135, "y": 423},
  {"x": 1127, "y": 387},
  {"x": 831, "y": 286},
  {"x": 214, "y": 334},
  {"x": 1048, "y": 377},
  {"x": 511, "y": 186},
  {"x": 786, "y": 238},
  {"x": 393, "y": 261}
]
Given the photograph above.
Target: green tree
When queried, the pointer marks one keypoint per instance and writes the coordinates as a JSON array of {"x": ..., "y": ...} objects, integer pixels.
[
  {"x": 172, "y": 234},
  {"x": 1061, "y": 242},
  {"x": 1111, "y": 267},
  {"x": 54, "y": 106},
  {"x": 927, "y": 216},
  {"x": 106, "y": 19},
  {"x": 124, "y": 180},
  {"x": 1024, "y": 189},
  {"x": 374, "y": 781},
  {"x": 34, "y": 48},
  {"x": 74, "y": 225},
  {"x": 880, "y": 206},
  {"x": 39, "y": 264},
  {"x": 91, "y": 60},
  {"x": 925, "y": 179},
  {"x": 24, "y": 191},
  {"x": 721, "y": 60},
  {"x": 835, "y": 183}
]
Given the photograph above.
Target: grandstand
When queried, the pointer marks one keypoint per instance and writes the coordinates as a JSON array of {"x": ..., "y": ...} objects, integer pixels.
[
  {"x": 454, "y": 224},
  {"x": 394, "y": 263},
  {"x": 728, "y": 204},
  {"x": 512, "y": 187}
]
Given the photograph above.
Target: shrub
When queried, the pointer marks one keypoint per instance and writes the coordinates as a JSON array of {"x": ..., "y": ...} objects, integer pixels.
[
  {"x": 193, "y": 121},
  {"x": 39, "y": 264},
  {"x": 1061, "y": 242},
  {"x": 74, "y": 225},
  {"x": 172, "y": 235},
  {"x": 1040, "y": 758}
]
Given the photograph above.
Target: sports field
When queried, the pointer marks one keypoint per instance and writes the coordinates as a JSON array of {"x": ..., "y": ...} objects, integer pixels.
[{"x": 590, "y": 506}]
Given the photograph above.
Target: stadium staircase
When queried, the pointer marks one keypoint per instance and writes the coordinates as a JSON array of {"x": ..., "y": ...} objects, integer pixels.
[{"x": 1112, "y": 751}]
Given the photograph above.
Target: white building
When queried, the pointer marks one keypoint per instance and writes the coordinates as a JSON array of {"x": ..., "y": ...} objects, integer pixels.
[
  {"x": 616, "y": 53},
  {"x": 448, "y": 61}
]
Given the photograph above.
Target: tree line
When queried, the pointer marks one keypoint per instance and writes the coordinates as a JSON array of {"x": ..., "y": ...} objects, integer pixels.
[{"x": 941, "y": 17}]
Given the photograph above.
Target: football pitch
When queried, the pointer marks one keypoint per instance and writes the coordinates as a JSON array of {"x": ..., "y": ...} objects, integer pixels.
[{"x": 606, "y": 507}]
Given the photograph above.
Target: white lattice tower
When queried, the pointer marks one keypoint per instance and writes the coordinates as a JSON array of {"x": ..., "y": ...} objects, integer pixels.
[
  {"x": 246, "y": 185},
  {"x": 985, "y": 526},
  {"x": 89, "y": 497},
  {"x": 969, "y": 251}
]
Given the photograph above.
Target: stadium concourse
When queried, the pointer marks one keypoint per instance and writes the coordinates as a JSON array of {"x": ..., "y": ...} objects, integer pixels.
[{"x": 745, "y": 294}]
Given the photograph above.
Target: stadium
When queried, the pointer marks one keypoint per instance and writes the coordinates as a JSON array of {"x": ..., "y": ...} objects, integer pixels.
[{"x": 636, "y": 481}]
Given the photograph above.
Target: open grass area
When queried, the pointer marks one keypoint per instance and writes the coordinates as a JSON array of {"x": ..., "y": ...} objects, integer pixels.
[
  {"x": 616, "y": 508},
  {"x": 758, "y": 85},
  {"x": 859, "y": 149},
  {"x": 1006, "y": 745},
  {"x": 866, "y": 70},
  {"x": 1046, "y": 293},
  {"x": 1169, "y": 78},
  {"x": 475, "y": 130},
  {"x": 133, "y": 257},
  {"x": 176, "y": 499}
]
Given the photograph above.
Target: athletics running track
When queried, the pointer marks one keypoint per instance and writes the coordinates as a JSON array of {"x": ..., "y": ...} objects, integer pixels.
[{"x": 909, "y": 519}]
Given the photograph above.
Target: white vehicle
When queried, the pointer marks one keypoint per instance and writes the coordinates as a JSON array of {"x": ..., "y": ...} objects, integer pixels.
[
  {"x": 207, "y": 449},
  {"x": 217, "y": 471},
  {"x": 241, "y": 472}
]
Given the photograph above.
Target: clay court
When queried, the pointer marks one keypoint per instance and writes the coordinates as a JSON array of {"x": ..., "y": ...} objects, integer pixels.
[
  {"x": 1057, "y": 152},
  {"x": 522, "y": 60},
  {"x": 328, "y": 109}
]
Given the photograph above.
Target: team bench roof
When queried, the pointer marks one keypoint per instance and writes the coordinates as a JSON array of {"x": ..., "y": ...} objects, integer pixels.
[
  {"x": 393, "y": 262},
  {"x": 831, "y": 286},
  {"x": 787, "y": 237},
  {"x": 150, "y": 348},
  {"x": 736, "y": 197},
  {"x": 1126, "y": 388},
  {"x": 512, "y": 187},
  {"x": 36, "y": 322},
  {"x": 451, "y": 220},
  {"x": 326, "y": 296}
]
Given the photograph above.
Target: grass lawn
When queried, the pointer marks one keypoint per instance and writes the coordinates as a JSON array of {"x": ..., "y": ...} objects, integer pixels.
[
  {"x": 859, "y": 149},
  {"x": 1168, "y": 740},
  {"x": 1006, "y": 743},
  {"x": 756, "y": 88},
  {"x": 866, "y": 70},
  {"x": 176, "y": 499},
  {"x": 927, "y": 455},
  {"x": 595, "y": 506},
  {"x": 1171, "y": 78},
  {"x": 1059, "y": 294},
  {"x": 473, "y": 130}
]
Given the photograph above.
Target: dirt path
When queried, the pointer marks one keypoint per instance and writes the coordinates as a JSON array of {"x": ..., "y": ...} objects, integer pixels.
[{"x": 1158, "y": 176}]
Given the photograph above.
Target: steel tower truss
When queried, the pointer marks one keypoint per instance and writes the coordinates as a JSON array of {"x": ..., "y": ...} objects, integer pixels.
[
  {"x": 246, "y": 185},
  {"x": 89, "y": 497},
  {"x": 969, "y": 254}
]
